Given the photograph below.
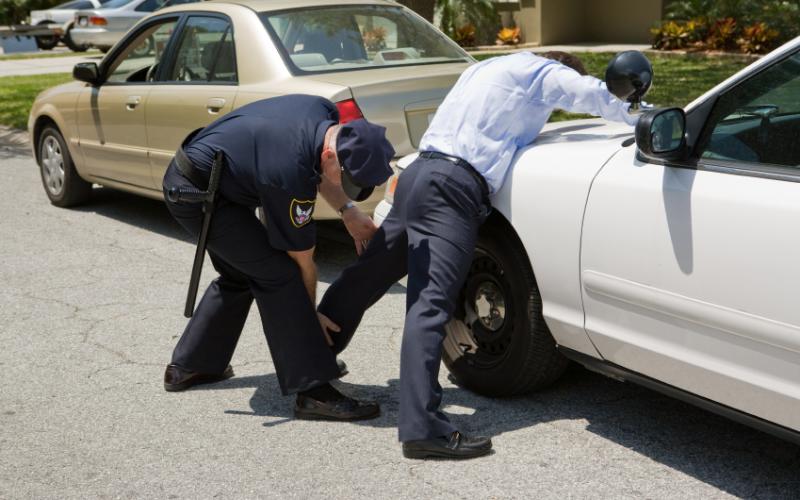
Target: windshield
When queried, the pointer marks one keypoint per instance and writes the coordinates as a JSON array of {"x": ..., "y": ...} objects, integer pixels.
[
  {"x": 113, "y": 4},
  {"x": 358, "y": 37}
]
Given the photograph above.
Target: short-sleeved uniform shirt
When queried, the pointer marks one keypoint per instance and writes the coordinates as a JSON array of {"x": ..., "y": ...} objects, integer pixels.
[{"x": 272, "y": 148}]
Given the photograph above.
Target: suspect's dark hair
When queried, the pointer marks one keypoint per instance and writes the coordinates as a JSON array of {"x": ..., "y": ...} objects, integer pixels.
[{"x": 566, "y": 59}]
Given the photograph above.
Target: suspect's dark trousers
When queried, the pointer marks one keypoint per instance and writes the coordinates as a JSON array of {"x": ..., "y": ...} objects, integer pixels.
[
  {"x": 249, "y": 267},
  {"x": 430, "y": 234}
]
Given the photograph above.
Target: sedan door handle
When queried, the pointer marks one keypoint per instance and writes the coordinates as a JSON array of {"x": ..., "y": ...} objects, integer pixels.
[
  {"x": 215, "y": 104},
  {"x": 132, "y": 101}
]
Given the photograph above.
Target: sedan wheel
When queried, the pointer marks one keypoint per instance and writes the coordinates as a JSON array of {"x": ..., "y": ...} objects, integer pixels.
[
  {"x": 61, "y": 181},
  {"x": 52, "y": 166},
  {"x": 498, "y": 343}
]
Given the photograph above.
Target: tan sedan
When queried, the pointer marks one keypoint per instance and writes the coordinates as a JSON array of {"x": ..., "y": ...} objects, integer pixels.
[{"x": 121, "y": 122}]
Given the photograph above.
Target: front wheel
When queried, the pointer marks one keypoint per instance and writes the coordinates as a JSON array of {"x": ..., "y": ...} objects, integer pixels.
[
  {"x": 498, "y": 343},
  {"x": 61, "y": 181}
]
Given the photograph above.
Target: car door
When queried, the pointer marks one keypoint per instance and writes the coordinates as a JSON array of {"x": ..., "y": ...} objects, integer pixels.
[
  {"x": 111, "y": 116},
  {"x": 197, "y": 85},
  {"x": 690, "y": 269}
]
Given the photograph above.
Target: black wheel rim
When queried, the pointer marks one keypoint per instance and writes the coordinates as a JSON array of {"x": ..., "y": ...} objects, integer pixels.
[{"x": 482, "y": 324}]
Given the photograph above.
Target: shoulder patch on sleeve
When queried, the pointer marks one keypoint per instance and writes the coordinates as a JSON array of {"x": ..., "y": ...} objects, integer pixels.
[{"x": 300, "y": 211}]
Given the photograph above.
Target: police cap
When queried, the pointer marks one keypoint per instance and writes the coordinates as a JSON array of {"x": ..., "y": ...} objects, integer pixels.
[{"x": 364, "y": 153}]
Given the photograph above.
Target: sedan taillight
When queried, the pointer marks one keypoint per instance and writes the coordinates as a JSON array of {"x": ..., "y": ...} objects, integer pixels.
[
  {"x": 348, "y": 111},
  {"x": 98, "y": 21}
]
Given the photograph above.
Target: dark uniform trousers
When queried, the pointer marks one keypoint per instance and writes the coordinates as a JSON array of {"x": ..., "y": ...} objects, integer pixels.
[
  {"x": 429, "y": 234},
  {"x": 249, "y": 267}
]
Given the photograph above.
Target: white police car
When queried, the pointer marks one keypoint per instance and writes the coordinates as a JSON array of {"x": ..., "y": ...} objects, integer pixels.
[{"x": 669, "y": 261}]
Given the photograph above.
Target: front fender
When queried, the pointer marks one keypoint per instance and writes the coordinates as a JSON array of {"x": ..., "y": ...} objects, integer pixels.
[{"x": 544, "y": 198}]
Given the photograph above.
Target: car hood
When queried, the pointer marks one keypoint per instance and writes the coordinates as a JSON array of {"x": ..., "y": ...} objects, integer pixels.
[{"x": 593, "y": 141}]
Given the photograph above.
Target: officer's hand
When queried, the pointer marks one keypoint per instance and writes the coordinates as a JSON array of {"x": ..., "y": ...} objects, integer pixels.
[
  {"x": 360, "y": 226},
  {"x": 326, "y": 324}
]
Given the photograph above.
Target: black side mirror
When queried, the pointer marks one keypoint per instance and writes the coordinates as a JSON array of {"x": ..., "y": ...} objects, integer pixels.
[
  {"x": 86, "y": 72},
  {"x": 661, "y": 133}
]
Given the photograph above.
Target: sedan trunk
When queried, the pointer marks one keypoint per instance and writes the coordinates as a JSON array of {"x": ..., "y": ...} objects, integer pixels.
[{"x": 403, "y": 104}]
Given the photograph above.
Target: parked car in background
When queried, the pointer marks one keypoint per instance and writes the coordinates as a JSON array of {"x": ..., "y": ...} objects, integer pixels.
[
  {"x": 62, "y": 15},
  {"x": 120, "y": 125},
  {"x": 103, "y": 27},
  {"x": 669, "y": 261}
]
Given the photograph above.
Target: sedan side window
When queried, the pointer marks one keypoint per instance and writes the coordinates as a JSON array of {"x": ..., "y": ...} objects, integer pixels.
[
  {"x": 149, "y": 5},
  {"x": 139, "y": 59},
  {"x": 758, "y": 121},
  {"x": 206, "y": 52}
]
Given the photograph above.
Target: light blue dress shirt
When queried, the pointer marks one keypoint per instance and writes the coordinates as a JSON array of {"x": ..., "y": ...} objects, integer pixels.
[{"x": 500, "y": 105}]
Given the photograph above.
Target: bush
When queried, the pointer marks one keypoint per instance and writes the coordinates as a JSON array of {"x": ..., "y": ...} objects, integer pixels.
[
  {"x": 679, "y": 34},
  {"x": 758, "y": 39},
  {"x": 508, "y": 36},
  {"x": 723, "y": 34},
  {"x": 465, "y": 35},
  {"x": 16, "y": 11},
  {"x": 767, "y": 23},
  {"x": 456, "y": 15}
]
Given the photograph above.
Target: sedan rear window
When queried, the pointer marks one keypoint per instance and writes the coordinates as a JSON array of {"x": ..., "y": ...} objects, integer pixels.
[{"x": 355, "y": 37}]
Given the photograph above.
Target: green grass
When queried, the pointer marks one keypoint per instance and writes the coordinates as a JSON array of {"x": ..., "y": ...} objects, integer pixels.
[
  {"x": 677, "y": 79},
  {"x": 43, "y": 55},
  {"x": 18, "y": 92}
]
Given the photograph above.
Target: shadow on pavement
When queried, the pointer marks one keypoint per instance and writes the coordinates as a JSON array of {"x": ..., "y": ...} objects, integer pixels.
[{"x": 731, "y": 457}]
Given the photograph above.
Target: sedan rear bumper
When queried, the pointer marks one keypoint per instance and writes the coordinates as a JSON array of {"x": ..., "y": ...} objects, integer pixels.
[{"x": 96, "y": 37}]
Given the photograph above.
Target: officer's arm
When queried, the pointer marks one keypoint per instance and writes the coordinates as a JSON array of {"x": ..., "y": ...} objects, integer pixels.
[
  {"x": 358, "y": 224},
  {"x": 308, "y": 270},
  {"x": 566, "y": 89}
]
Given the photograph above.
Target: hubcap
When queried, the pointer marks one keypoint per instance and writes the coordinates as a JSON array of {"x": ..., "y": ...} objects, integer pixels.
[
  {"x": 490, "y": 305},
  {"x": 52, "y": 160},
  {"x": 479, "y": 328}
]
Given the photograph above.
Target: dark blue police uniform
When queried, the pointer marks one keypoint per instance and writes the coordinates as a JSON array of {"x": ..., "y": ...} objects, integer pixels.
[
  {"x": 429, "y": 234},
  {"x": 272, "y": 151}
]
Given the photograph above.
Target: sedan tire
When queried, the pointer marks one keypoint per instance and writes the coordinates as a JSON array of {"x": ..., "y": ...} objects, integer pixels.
[
  {"x": 498, "y": 343},
  {"x": 71, "y": 44},
  {"x": 61, "y": 181},
  {"x": 46, "y": 42}
]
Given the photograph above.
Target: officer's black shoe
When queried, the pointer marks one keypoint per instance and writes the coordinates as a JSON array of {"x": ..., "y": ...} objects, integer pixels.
[
  {"x": 179, "y": 379},
  {"x": 455, "y": 446},
  {"x": 342, "y": 368},
  {"x": 307, "y": 408}
]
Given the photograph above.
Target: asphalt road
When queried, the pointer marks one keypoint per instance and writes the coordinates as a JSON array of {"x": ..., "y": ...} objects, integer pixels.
[{"x": 90, "y": 309}]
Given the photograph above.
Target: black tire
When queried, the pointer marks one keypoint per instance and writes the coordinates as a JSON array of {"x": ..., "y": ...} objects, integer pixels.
[
  {"x": 60, "y": 180},
  {"x": 46, "y": 42},
  {"x": 72, "y": 45},
  {"x": 509, "y": 350}
]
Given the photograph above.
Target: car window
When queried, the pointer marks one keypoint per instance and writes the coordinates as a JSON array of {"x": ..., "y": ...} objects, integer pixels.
[
  {"x": 115, "y": 4},
  {"x": 139, "y": 59},
  {"x": 149, "y": 5},
  {"x": 76, "y": 4},
  {"x": 758, "y": 121},
  {"x": 358, "y": 37},
  {"x": 205, "y": 52}
]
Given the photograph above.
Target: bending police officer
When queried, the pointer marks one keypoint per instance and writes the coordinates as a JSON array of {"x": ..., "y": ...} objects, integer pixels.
[
  {"x": 278, "y": 153},
  {"x": 495, "y": 108}
]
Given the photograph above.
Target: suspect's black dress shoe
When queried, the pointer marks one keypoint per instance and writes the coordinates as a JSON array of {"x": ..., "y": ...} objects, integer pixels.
[
  {"x": 307, "y": 408},
  {"x": 179, "y": 379},
  {"x": 455, "y": 446}
]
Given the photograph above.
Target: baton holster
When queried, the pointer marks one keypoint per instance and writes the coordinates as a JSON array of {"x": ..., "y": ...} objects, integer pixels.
[{"x": 208, "y": 197}]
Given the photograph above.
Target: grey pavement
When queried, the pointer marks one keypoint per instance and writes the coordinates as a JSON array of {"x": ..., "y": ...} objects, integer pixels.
[{"x": 90, "y": 309}]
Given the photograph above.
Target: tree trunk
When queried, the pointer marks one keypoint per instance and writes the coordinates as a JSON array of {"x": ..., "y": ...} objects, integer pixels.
[{"x": 422, "y": 7}]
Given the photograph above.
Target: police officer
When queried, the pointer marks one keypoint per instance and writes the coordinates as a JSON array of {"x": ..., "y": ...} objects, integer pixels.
[
  {"x": 278, "y": 154},
  {"x": 495, "y": 108}
]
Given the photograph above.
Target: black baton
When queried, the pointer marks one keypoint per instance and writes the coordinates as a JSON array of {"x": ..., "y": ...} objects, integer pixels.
[{"x": 208, "y": 198}]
